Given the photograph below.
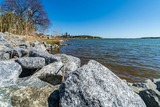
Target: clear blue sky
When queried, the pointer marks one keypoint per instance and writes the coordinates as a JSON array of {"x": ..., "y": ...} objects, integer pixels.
[{"x": 106, "y": 18}]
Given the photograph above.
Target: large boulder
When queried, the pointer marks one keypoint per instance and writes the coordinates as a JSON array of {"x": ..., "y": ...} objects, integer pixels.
[
  {"x": 148, "y": 84},
  {"x": 49, "y": 58},
  {"x": 151, "y": 97},
  {"x": 19, "y": 52},
  {"x": 68, "y": 68},
  {"x": 31, "y": 62},
  {"x": 30, "y": 65},
  {"x": 9, "y": 73},
  {"x": 68, "y": 58},
  {"x": 14, "y": 52},
  {"x": 40, "y": 46},
  {"x": 93, "y": 85},
  {"x": 32, "y": 96},
  {"x": 51, "y": 73},
  {"x": 31, "y": 92},
  {"x": 71, "y": 63}
]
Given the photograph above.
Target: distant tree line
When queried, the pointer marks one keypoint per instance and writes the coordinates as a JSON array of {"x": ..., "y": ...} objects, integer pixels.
[
  {"x": 22, "y": 16},
  {"x": 85, "y": 37},
  {"x": 66, "y": 35}
]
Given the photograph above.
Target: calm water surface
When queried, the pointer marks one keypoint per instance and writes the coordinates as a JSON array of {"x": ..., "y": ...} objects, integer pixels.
[{"x": 131, "y": 59}]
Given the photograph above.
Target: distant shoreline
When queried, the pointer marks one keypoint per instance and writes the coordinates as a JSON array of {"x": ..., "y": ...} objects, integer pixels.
[
  {"x": 80, "y": 37},
  {"x": 150, "y": 38}
]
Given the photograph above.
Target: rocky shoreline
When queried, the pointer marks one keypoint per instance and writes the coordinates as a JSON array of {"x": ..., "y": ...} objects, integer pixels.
[{"x": 32, "y": 77}]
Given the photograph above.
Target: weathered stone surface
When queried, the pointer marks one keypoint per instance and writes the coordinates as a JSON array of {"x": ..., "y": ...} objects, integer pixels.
[
  {"x": 31, "y": 82},
  {"x": 140, "y": 85},
  {"x": 49, "y": 58},
  {"x": 68, "y": 58},
  {"x": 5, "y": 100},
  {"x": 31, "y": 62},
  {"x": 19, "y": 52},
  {"x": 51, "y": 73},
  {"x": 136, "y": 89},
  {"x": 39, "y": 46},
  {"x": 151, "y": 97},
  {"x": 70, "y": 63},
  {"x": 32, "y": 96},
  {"x": 150, "y": 84},
  {"x": 9, "y": 72},
  {"x": 3, "y": 48},
  {"x": 68, "y": 68},
  {"x": 93, "y": 85},
  {"x": 4, "y": 56},
  {"x": 28, "y": 92}
]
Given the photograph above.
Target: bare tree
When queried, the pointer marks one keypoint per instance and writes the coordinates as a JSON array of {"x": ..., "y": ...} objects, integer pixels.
[{"x": 29, "y": 12}]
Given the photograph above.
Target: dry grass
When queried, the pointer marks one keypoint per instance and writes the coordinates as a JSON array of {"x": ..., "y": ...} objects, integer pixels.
[
  {"x": 52, "y": 42},
  {"x": 32, "y": 39}
]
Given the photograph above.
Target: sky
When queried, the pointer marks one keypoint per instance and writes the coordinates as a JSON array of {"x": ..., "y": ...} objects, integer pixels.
[{"x": 105, "y": 18}]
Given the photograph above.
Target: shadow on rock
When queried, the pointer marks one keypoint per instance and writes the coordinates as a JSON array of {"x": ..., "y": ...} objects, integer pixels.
[
  {"x": 27, "y": 72},
  {"x": 53, "y": 99},
  {"x": 52, "y": 79}
]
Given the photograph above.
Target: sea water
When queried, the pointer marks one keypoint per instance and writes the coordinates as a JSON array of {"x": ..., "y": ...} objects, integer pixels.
[{"x": 131, "y": 59}]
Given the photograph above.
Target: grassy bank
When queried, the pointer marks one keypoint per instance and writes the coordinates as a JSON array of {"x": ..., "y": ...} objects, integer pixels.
[{"x": 32, "y": 39}]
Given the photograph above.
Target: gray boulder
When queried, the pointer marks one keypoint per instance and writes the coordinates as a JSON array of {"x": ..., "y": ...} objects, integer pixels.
[
  {"x": 51, "y": 73},
  {"x": 71, "y": 63},
  {"x": 93, "y": 85},
  {"x": 31, "y": 92},
  {"x": 40, "y": 46},
  {"x": 68, "y": 58},
  {"x": 150, "y": 84},
  {"x": 9, "y": 73},
  {"x": 68, "y": 68},
  {"x": 32, "y": 96},
  {"x": 151, "y": 97},
  {"x": 31, "y": 62},
  {"x": 18, "y": 52},
  {"x": 28, "y": 92},
  {"x": 49, "y": 58}
]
